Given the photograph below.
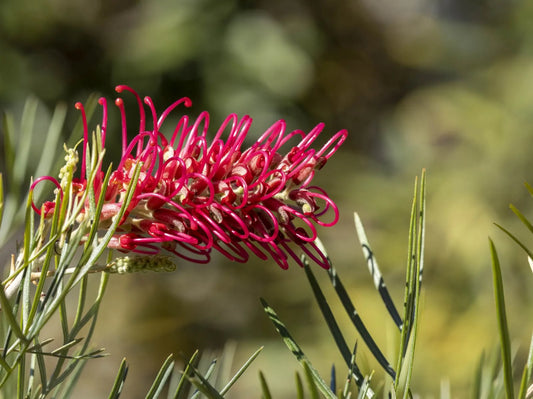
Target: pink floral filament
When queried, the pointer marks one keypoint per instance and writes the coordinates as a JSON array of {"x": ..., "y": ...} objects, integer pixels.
[{"x": 195, "y": 194}]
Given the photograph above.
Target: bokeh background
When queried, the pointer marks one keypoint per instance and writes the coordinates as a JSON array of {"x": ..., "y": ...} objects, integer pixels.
[{"x": 442, "y": 85}]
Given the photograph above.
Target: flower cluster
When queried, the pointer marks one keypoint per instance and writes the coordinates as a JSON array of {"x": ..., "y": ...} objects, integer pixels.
[{"x": 196, "y": 194}]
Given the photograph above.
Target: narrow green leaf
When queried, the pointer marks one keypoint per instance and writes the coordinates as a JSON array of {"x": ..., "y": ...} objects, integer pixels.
[
  {"x": 503, "y": 328},
  {"x": 296, "y": 350},
  {"x": 227, "y": 358},
  {"x": 49, "y": 249},
  {"x": 92, "y": 313},
  {"x": 73, "y": 371},
  {"x": 415, "y": 265},
  {"x": 31, "y": 376},
  {"x": 241, "y": 371},
  {"x": 94, "y": 225},
  {"x": 299, "y": 386},
  {"x": 207, "y": 375},
  {"x": 515, "y": 239},
  {"x": 40, "y": 363},
  {"x": 377, "y": 277},
  {"x": 409, "y": 286},
  {"x": 264, "y": 386},
  {"x": 477, "y": 385},
  {"x": 526, "y": 374},
  {"x": 421, "y": 239},
  {"x": 66, "y": 346},
  {"x": 358, "y": 322},
  {"x": 21, "y": 377},
  {"x": 118, "y": 385},
  {"x": 182, "y": 387},
  {"x": 99, "y": 249},
  {"x": 28, "y": 244},
  {"x": 311, "y": 382},
  {"x": 529, "y": 188},
  {"x": 161, "y": 378},
  {"x": 64, "y": 320},
  {"x": 204, "y": 386},
  {"x": 521, "y": 217},
  {"x": 331, "y": 322},
  {"x": 4, "y": 365},
  {"x": 82, "y": 297},
  {"x": 349, "y": 378},
  {"x": 9, "y": 316},
  {"x": 365, "y": 387}
]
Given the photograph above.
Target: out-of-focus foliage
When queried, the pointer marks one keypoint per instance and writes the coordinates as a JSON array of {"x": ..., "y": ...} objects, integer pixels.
[{"x": 446, "y": 85}]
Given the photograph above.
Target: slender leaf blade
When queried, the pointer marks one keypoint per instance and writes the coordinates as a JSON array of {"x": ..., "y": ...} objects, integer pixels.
[
  {"x": 526, "y": 374},
  {"x": 505, "y": 341},
  {"x": 241, "y": 371},
  {"x": 375, "y": 272},
  {"x": 161, "y": 378},
  {"x": 264, "y": 386},
  {"x": 120, "y": 379},
  {"x": 330, "y": 321},
  {"x": 296, "y": 350}
]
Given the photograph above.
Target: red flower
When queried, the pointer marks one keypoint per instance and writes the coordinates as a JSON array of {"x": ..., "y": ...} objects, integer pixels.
[{"x": 196, "y": 194}]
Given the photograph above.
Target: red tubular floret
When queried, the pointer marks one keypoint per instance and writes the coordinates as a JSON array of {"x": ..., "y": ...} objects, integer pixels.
[
  {"x": 142, "y": 115},
  {"x": 186, "y": 101},
  {"x": 274, "y": 132},
  {"x": 120, "y": 104},
  {"x": 181, "y": 125},
  {"x": 310, "y": 137},
  {"x": 79, "y": 106},
  {"x": 103, "y": 102},
  {"x": 339, "y": 137}
]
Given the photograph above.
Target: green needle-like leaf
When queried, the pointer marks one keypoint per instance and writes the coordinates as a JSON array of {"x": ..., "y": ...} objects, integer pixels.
[
  {"x": 331, "y": 322},
  {"x": 515, "y": 239},
  {"x": 264, "y": 387},
  {"x": 524, "y": 220},
  {"x": 207, "y": 375},
  {"x": 184, "y": 383},
  {"x": 116, "y": 390},
  {"x": 415, "y": 265},
  {"x": 503, "y": 328},
  {"x": 358, "y": 322},
  {"x": 377, "y": 277},
  {"x": 240, "y": 372},
  {"x": 161, "y": 378},
  {"x": 310, "y": 381},
  {"x": 526, "y": 374},
  {"x": 299, "y": 386},
  {"x": 296, "y": 350},
  {"x": 201, "y": 383},
  {"x": 9, "y": 316},
  {"x": 365, "y": 387}
]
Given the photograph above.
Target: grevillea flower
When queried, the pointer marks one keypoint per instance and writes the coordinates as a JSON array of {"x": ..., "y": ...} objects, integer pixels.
[{"x": 196, "y": 194}]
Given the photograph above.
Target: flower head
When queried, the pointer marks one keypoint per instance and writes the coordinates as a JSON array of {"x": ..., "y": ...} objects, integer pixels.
[{"x": 196, "y": 194}]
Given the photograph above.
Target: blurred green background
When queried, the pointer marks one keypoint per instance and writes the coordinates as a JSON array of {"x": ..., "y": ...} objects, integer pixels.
[{"x": 442, "y": 85}]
